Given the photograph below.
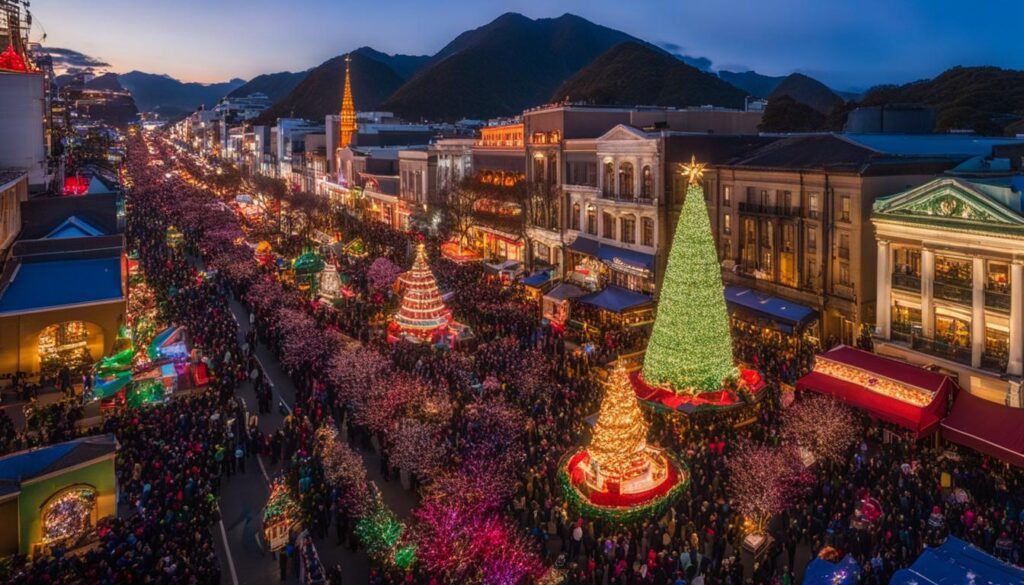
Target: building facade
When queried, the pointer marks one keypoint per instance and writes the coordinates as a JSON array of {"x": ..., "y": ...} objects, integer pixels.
[{"x": 950, "y": 281}]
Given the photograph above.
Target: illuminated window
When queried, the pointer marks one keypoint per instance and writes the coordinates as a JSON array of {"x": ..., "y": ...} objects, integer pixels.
[
  {"x": 68, "y": 514},
  {"x": 727, "y": 196},
  {"x": 591, "y": 220},
  {"x": 608, "y": 181},
  {"x": 727, "y": 224},
  {"x": 844, "y": 209},
  {"x": 647, "y": 183},
  {"x": 576, "y": 216},
  {"x": 626, "y": 180}
]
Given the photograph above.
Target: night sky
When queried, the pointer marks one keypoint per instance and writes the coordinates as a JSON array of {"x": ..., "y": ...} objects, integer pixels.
[{"x": 849, "y": 44}]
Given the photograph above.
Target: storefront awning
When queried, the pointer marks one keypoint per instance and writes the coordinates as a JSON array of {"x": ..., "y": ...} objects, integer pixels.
[
  {"x": 538, "y": 279},
  {"x": 893, "y": 391},
  {"x": 987, "y": 427},
  {"x": 564, "y": 291},
  {"x": 616, "y": 299},
  {"x": 784, "y": 315},
  {"x": 613, "y": 255}
]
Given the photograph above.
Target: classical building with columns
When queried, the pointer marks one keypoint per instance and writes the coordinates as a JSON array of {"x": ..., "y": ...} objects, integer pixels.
[{"x": 950, "y": 279}]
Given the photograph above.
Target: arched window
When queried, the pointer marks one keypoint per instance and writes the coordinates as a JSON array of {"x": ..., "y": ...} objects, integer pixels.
[
  {"x": 591, "y": 220},
  {"x": 647, "y": 183},
  {"x": 626, "y": 180},
  {"x": 608, "y": 182},
  {"x": 647, "y": 231},
  {"x": 608, "y": 225},
  {"x": 576, "y": 216}
]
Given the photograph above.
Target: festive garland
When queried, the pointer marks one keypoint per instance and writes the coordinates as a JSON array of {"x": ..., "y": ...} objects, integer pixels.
[{"x": 622, "y": 516}]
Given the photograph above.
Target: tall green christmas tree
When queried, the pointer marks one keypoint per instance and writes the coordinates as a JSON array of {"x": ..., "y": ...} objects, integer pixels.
[{"x": 691, "y": 345}]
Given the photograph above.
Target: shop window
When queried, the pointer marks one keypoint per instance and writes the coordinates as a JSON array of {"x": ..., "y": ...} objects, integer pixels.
[
  {"x": 64, "y": 345},
  {"x": 607, "y": 225},
  {"x": 629, "y": 229},
  {"x": 647, "y": 231}
]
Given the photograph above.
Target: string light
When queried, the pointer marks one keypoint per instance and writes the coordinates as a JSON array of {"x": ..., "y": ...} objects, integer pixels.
[
  {"x": 691, "y": 345},
  {"x": 620, "y": 435},
  {"x": 422, "y": 311},
  {"x": 821, "y": 425}
]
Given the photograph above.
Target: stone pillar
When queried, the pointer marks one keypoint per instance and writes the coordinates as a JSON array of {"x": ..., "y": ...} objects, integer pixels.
[
  {"x": 1015, "y": 365},
  {"x": 883, "y": 291},
  {"x": 927, "y": 282},
  {"x": 977, "y": 310}
]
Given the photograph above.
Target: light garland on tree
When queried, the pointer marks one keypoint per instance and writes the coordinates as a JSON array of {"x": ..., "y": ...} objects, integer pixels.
[
  {"x": 690, "y": 348},
  {"x": 764, "y": 481},
  {"x": 422, "y": 311},
  {"x": 820, "y": 424},
  {"x": 383, "y": 535}
]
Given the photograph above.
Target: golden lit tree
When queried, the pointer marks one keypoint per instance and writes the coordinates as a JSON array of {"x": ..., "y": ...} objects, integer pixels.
[{"x": 620, "y": 435}]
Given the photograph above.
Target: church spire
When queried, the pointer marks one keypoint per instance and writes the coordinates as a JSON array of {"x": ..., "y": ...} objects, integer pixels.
[{"x": 348, "y": 108}]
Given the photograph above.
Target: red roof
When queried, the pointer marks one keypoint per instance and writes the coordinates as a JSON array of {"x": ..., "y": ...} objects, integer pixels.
[
  {"x": 918, "y": 419},
  {"x": 987, "y": 427}
]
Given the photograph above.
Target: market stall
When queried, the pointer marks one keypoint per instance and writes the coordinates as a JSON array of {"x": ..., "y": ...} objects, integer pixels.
[
  {"x": 767, "y": 311},
  {"x": 987, "y": 427},
  {"x": 893, "y": 391},
  {"x": 555, "y": 304},
  {"x": 957, "y": 562},
  {"x": 617, "y": 306},
  {"x": 823, "y": 572}
]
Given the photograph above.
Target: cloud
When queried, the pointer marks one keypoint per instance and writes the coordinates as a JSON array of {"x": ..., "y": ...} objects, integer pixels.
[
  {"x": 678, "y": 51},
  {"x": 70, "y": 58}
]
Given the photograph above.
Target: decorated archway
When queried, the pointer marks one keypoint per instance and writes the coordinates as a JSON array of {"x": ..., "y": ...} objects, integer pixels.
[
  {"x": 68, "y": 344},
  {"x": 68, "y": 514}
]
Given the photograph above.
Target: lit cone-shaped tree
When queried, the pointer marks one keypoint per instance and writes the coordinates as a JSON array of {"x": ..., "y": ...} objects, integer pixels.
[
  {"x": 618, "y": 476},
  {"x": 619, "y": 441},
  {"x": 422, "y": 310},
  {"x": 690, "y": 349}
]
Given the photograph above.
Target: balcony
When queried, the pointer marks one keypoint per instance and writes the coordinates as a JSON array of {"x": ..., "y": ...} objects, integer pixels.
[
  {"x": 943, "y": 350},
  {"x": 953, "y": 292},
  {"x": 911, "y": 282},
  {"x": 995, "y": 362},
  {"x": 997, "y": 301},
  {"x": 772, "y": 210},
  {"x": 609, "y": 196}
]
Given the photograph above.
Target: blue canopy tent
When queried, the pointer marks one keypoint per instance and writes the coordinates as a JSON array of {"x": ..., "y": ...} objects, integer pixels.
[
  {"x": 781, "y": 314},
  {"x": 955, "y": 563},
  {"x": 820, "y": 571},
  {"x": 616, "y": 299},
  {"x": 613, "y": 255}
]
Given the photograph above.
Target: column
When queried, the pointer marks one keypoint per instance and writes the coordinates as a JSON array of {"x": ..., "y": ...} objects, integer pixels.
[
  {"x": 883, "y": 291},
  {"x": 1015, "y": 366},
  {"x": 977, "y": 310},
  {"x": 927, "y": 280}
]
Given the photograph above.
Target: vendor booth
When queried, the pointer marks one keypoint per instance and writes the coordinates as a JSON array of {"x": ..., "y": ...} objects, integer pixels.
[
  {"x": 954, "y": 563},
  {"x": 767, "y": 311},
  {"x": 555, "y": 307},
  {"x": 616, "y": 306},
  {"x": 907, "y": 396},
  {"x": 987, "y": 427}
]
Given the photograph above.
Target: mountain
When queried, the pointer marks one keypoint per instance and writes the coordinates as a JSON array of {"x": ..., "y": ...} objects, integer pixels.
[
  {"x": 319, "y": 93},
  {"x": 502, "y": 68},
  {"x": 634, "y": 74},
  {"x": 752, "y": 82},
  {"x": 274, "y": 85},
  {"x": 785, "y": 114},
  {"x": 983, "y": 99},
  {"x": 807, "y": 91},
  {"x": 107, "y": 81},
  {"x": 404, "y": 65},
  {"x": 164, "y": 94}
]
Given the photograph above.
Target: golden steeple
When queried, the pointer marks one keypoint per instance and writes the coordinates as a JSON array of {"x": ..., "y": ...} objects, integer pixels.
[{"x": 348, "y": 108}]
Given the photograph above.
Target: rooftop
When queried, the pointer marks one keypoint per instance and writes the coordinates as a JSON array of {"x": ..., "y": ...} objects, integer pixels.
[
  {"x": 17, "y": 468},
  {"x": 50, "y": 284}
]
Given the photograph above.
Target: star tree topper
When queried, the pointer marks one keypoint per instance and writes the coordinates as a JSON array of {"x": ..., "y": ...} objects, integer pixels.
[{"x": 694, "y": 170}]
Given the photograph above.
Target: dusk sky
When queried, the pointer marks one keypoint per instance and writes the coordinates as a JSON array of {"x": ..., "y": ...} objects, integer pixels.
[{"x": 847, "y": 44}]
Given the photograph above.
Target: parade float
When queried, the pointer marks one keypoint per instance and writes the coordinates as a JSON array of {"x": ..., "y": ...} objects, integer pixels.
[
  {"x": 620, "y": 477},
  {"x": 307, "y": 268},
  {"x": 281, "y": 516},
  {"x": 422, "y": 315},
  {"x": 148, "y": 376},
  {"x": 689, "y": 363}
]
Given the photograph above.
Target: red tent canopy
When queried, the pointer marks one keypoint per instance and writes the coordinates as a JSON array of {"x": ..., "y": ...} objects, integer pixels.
[
  {"x": 894, "y": 391},
  {"x": 987, "y": 427}
]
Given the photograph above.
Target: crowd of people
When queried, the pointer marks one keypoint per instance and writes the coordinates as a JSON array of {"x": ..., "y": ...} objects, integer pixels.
[{"x": 504, "y": 412}]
